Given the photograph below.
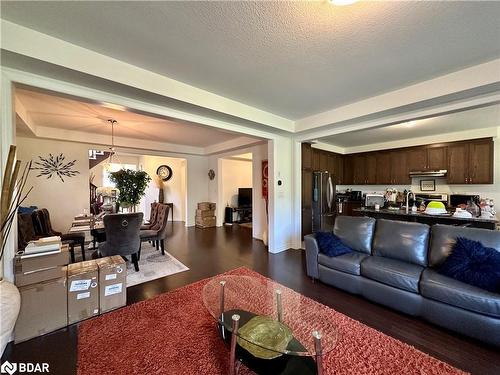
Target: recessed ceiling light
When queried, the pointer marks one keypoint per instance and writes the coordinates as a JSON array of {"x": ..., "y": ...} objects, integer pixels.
[{"x": 342, "y": 2}]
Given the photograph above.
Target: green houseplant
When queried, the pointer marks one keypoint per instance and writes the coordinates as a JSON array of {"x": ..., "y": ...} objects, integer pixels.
[{"x": 132, "y": 186}]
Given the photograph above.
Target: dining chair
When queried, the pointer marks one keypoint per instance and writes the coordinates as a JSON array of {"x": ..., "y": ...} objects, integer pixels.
[
  {"x": 152, "y": 217},
  {"x": 122, "y": 236},
  {"x": 158, "y": 232},
  {"x": 43, "y": 228}
]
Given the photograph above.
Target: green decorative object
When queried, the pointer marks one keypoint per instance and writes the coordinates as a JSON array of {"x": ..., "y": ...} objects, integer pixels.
[
  {"x": 266, "y": 333},
  {"x": 131, "y": 184}
]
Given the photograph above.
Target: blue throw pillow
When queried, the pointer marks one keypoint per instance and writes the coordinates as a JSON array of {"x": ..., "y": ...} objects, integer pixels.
[
  {"x": 473, "y": 263},
  {"x": 329, "y": 244}
]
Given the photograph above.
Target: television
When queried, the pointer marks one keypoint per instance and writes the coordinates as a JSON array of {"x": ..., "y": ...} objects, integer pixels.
[{"x": 245, "y": 197}]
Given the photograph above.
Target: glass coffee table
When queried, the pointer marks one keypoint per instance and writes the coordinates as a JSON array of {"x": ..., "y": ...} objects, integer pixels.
[{"x": 270, "y": 329}]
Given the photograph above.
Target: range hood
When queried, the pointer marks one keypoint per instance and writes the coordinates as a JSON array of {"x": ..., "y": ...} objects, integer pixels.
[{"x": 429, "y": 173}]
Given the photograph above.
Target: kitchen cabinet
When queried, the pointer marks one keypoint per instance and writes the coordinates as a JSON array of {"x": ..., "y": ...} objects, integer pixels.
[
  {"x": 457, "y": 164},
  {"x": 383, "y": 168},
  {"x": 348, "y": 170},
  {"x": 470, "y": 162},
  {"x": 399, "y": 170},
  {"x": 306, "y": 155},
  {"x": 416, "y": 159},
  {"x": 339, "y": 169},
  {"x": 323, "y": 161},
  {"x": 481, "y": 162},
  {"x": 436, "y": 157},
  {"x": 371, "y": 168},
  {"x": 358, "y": 170},
  {"x": 315, "y": 159}
]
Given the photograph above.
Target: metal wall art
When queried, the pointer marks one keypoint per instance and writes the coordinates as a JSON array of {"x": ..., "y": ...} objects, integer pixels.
[{"x": 55, "y": 166}]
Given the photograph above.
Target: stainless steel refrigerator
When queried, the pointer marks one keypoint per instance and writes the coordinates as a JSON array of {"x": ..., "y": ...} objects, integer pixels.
[{"x": 323, "y": 202}]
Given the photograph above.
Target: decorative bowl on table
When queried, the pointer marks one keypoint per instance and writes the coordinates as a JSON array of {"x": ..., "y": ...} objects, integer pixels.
[
  {"x": 435, "y": 208},
  {"x": 262, "y": 332}
]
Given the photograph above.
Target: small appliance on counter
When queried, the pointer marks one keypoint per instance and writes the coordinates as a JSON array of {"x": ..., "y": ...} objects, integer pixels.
[{"x": 374, "y": 199}]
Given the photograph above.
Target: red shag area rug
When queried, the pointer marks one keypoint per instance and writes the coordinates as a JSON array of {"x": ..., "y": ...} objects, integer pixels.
[{"x": 174, "y": 334}]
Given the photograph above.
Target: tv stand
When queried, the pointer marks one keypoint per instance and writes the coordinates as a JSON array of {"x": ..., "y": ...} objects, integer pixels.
[{"x": 244, "y": 214}]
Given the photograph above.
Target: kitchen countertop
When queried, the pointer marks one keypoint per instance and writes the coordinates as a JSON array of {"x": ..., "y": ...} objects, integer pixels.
[{"x": 421, "y": 214}]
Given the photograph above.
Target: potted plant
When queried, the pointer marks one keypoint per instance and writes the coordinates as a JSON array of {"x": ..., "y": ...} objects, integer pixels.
[
  {"x": 13, "y": 195},
  {"x": 132, "y": 186}
]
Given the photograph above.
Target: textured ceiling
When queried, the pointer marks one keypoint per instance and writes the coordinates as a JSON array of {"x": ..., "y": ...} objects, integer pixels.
[
  {"x": 290, "y": 58},
  {"x": 63, "y": 113},
  {"x": 481, "y": 118}
]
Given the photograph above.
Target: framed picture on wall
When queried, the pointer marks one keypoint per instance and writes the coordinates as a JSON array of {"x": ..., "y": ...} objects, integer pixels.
[{"x": 427, "y": 185}]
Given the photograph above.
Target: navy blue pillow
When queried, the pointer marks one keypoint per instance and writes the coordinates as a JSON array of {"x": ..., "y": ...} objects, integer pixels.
[
  {"x": 473, "y": 263},
  {"x": 329, "y": 244}
]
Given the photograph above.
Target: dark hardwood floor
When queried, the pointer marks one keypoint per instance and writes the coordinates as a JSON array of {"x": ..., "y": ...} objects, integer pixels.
[{"x": 208, "y": 252}]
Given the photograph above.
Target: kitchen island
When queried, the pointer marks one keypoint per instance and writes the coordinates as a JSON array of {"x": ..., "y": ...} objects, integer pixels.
[{"x": 420, "y": 217}]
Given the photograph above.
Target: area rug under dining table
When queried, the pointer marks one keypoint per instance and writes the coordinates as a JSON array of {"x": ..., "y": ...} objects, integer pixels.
[{"x": 173, "y": 333}]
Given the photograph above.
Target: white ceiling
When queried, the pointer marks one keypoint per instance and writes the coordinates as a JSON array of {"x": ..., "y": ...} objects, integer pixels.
[
  {"x": 52, "y": 111},
  {"x": 480, "y": 118},
  {"x": 289, "y": 58}
]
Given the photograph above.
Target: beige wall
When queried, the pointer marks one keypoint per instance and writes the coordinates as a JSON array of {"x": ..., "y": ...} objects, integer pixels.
[
  {"x": 174, "y": 189},
  {"x": 65, "y": 199}
]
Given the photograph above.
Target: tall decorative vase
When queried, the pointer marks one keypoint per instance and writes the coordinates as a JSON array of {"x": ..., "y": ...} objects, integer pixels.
[
  {"x": 161, "y": 195},
  {"x": 10, "y": 302}
]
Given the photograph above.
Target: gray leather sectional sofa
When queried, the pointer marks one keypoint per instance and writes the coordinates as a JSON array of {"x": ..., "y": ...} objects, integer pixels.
[{"x": 394, "y": 264}]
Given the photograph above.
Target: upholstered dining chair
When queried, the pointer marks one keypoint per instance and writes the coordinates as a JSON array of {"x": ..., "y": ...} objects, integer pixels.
[
  {"x": 43, "y": 228},
  {"x": 152, "y": 217},
  {"x": 158, "y": 232},
  {"x": 122, "y": 236}
]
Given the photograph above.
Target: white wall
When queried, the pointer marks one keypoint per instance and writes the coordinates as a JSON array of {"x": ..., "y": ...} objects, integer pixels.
[
  {"x": 259, "y": 153},
  {"x": 65, "y": 199},
  {"x": 485, "y": 191},
  {"x": 235, "y": 174},
  {"x": 98, "y": 170},
  {"x": 174, "y": 189}
]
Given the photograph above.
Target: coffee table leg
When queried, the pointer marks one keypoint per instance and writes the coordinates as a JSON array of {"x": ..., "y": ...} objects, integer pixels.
[
  {"x": 233, "y": 367},
  {"x": 221, "y": 307},
  {"x": 319, "y": 354},
  {"x": 279, "y": 305}
]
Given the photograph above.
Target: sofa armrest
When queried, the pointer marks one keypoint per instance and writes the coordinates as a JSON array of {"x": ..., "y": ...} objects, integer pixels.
[{"x": 312, "y": 251}]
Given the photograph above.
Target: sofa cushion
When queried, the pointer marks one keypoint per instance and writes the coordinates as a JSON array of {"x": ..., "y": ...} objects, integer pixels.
[
  {"x": 474, "y": 264},
  {"x": 452, "y": 292},
  {"x": 392, "y": 272},
  {"x": 355, "y": 232},
  {"x": 330, "y": 245},
  {"x": 444, "y": 237},
  {"x": 402, "y": 240},
  {"x": 349, "y": 263}
]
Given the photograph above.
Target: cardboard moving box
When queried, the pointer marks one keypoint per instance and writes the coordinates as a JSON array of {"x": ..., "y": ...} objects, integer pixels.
[
  {"x": 44, "y": 307},
  {"x": 205, "y": 222},
  {"x": 112, "y": 283},
  {"x": 83, "y": 291},
  {"x": 206, "y": 206}
]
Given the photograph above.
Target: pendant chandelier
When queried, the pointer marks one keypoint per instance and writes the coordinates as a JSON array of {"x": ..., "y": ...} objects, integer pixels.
[{"x": 109, "y": 164}]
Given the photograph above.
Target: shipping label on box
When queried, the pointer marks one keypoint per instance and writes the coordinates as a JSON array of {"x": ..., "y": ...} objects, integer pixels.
[
  {"x": 112, "y": 283},
  {"x": 83, "y": 291}
]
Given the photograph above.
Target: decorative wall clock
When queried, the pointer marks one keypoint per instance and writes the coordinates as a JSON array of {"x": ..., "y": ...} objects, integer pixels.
[
  {"x": 55, "y": 166},
  {"x": 164, "y": 172}
]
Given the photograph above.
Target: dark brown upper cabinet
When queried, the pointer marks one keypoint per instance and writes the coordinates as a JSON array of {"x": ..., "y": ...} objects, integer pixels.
[
  {"x": 470, "y": 162},
  {"x": 416, "y": 159},
  {"x": 306, "y": 156},
  {"x": 399, "y": 169},
  {"x": 383, "y": 168},
  {"x": 437, "y": 157},
  {"x": 359, "y": 169},
  {"x": 371, "y": 168}
]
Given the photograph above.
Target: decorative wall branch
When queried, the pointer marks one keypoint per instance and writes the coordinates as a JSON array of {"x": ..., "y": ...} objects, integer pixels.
[{"x": 57, "y": 166}]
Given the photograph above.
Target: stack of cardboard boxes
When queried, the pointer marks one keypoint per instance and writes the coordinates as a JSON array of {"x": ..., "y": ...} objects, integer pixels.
[
  {"x": 55, "y": 293},
  {"x": 205, "y": 215}
]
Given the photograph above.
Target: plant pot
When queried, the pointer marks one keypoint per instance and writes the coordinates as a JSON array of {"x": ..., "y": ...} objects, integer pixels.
[{"x": 10, "y": 302}]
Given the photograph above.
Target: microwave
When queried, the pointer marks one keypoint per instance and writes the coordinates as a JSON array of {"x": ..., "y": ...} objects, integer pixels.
[
  {"x": 372, "y": 199},
  {"x": 458, "y": 199}
]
